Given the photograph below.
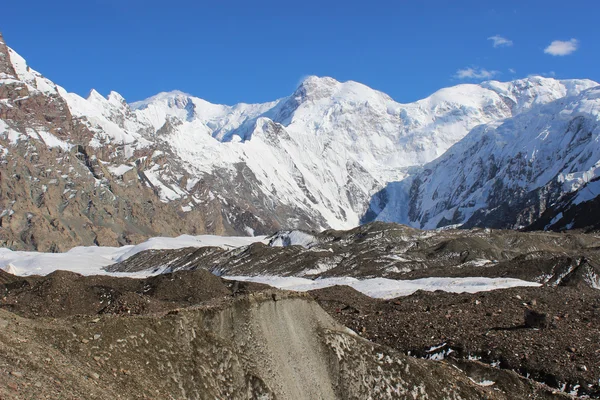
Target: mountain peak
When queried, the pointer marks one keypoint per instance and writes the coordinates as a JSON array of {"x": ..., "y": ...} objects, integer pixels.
[
  {"x": 314, "y": 83},
  {"x": 172, "y": 98},
  {"x": 5, "y": 62},
  {"x": 94, "y": 95},
  {"x": 315, "y": 88},
  {"x": 114, "y": 97},
  {"x": 314, "y": 80}
]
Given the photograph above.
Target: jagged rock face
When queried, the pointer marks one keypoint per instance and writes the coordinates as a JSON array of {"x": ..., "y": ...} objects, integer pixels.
[
  {"x": 566, "y": 214},
  {"x": 57, "y": 188},
  {"x": 79, "y": 171},
  {"x": 540, "y": 166}
]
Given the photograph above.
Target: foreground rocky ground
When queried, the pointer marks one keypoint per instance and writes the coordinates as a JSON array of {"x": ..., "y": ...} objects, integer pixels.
[
  {"x": 190, "y": 335},
  {"x": 562, "y": 352}
]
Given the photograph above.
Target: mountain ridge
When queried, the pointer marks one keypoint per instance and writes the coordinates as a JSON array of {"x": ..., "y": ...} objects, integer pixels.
[
  {"x": 311, "y": 160},
  {"x": 501, "y": 168}
]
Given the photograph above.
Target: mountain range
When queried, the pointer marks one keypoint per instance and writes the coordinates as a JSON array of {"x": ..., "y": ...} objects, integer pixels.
[{"x": 99, "y": 170}]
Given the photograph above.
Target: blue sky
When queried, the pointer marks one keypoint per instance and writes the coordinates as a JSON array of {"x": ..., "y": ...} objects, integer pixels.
[{"x": 255, "y": 51}]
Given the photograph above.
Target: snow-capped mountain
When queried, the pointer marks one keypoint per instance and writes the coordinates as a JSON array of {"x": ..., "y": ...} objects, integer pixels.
[
  {"x": 329, "y": 146},
  {"x": 510, "y": 173},
  {"x": 175, "y": 163}
]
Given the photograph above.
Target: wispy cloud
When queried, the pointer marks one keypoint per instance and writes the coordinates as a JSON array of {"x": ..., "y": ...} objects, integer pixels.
[
  {"x": 500, "y": 41},
  {"x": 475, "y": 73},
  {"x": 562, "y": 48},
  {"x": 512, "y": 70}
]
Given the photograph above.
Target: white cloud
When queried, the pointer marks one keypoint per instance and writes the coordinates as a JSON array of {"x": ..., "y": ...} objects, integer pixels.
[
  {"x": 500, "y": 41},
  {"x": 475, "y": 73},
  {"x": 562, "y": 48},
  {"x": 512, "y": 70}
]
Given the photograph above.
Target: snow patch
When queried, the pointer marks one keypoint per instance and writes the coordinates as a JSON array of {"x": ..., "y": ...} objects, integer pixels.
[
  {"x": 119, "y": 170},
  {"x": 484, "y": 382},
  {"x": 383, "y": 288},
  {"x": 225, "y": 242},
  {"x": 53, "y": 141},
  {"x": 91, "y": 260},
  {"x": 588, "y": 192}
]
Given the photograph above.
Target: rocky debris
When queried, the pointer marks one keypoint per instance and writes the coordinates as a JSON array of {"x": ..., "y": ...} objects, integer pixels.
[
  {"x": 173, "y": 260},
  {"x": 246, "y": 347},
  {"x": 62, "y": 294},
  {"x": 489, "y": 327},
  {"x": 397, "y": 252},
  {"x": 482, "y": 326},
  {"x": 5, "y": 278},
  {"x": 486, "y": 326}
]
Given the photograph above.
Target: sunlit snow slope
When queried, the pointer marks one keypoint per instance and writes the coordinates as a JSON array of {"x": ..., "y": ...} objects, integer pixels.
[{"x": 510, "y": 173}]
